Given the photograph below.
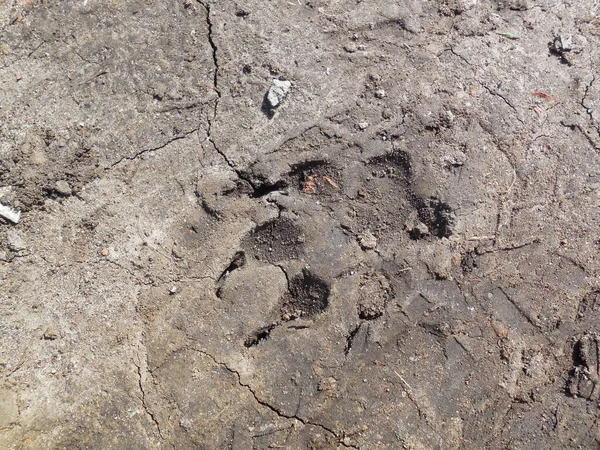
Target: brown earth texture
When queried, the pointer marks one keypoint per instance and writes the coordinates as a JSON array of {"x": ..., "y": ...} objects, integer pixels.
[{"x": 299, "y": 224}]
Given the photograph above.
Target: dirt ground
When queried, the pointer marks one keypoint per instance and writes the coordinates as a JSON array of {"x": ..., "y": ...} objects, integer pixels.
[{"x": 398, "y": 249}]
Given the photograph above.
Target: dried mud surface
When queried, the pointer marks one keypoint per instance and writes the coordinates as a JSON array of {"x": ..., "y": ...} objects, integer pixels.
[{"x": 402, "y": 254}]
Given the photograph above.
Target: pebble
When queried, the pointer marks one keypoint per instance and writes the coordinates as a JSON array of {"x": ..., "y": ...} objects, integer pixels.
[
  {"x": 38, "y": 157},
  {"x": 105, "y": 252},
  {"x": 379, "y": 93},
  {"x": 13, "y": 215},
  {"x": 277, "y": 92},
  {"x": 363, "y": 125},
  {"x": 51, "y": 333},
  {"x": 350, "y": 48},
  {"x": 569, "y": 43},
  {"x": 500, "y": 329},
  {"x": 563, "y": 43},
  {"x": 63, "y": 188},
  {"x": 15, "y": 241},
  {"x": 367, "y": 241}
]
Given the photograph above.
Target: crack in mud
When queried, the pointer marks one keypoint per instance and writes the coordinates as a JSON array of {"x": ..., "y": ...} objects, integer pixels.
[
  {"x": 149, "y": 413},
  {"x": 499, "y": 95},
  {"x": 585, "y": 133},
  {"x": 178, "y": 137},
  {"x": 465, "y": 60},
  {"x": 585, "y": 94},
  {"x": 483, "y": 85},
  {"x": 210, "y": 120},
  {"x": 141, "y": 373},
  {"x": 267, "y": 405},
  {"x": 214, "y": 48}
]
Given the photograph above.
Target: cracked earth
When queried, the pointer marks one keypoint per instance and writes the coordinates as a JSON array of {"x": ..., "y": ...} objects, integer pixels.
[{"x": 401, "y": 253}]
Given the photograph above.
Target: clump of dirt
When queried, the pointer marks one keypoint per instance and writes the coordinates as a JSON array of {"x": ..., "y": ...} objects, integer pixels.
[{"x": 373, "y": 294}]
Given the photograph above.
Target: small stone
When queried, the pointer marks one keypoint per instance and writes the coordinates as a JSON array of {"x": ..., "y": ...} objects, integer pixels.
[
  {"x": 15, "y": 241},
  {"x": 563, "y": 43},
  {"x": 367, "y": 241},
  {"x": 277, "y": 92},
  {"x": 454, "y": 160},
  {"x": 173, "y": 290},
  {"x": 379, "y": 93},
  {"x": 500, "y": 329},
  {"x": 363, "y": 125},
  {"x": 105, "y": 252},
  {"x": 13, "y": 215},
  {"x": 51, "y": 333},
  {"x": 38, "y": 157},
  {"x": 63, "y": 188},
  {"x": 569, "y": 43},
  {"x": 350, "y": 48}
]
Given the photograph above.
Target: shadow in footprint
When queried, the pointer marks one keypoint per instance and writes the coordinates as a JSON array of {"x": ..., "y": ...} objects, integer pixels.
[{"x": 308, "y": 296}]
